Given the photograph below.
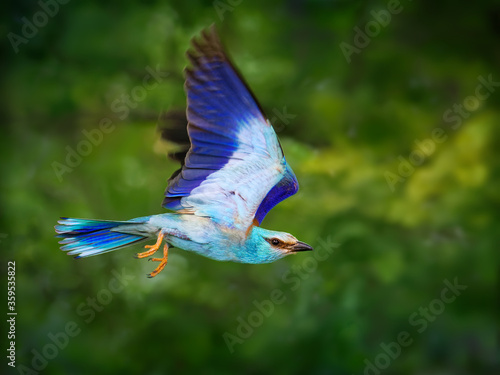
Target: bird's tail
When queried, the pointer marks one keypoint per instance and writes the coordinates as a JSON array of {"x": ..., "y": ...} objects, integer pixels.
[{"x": 84, "y": 238}]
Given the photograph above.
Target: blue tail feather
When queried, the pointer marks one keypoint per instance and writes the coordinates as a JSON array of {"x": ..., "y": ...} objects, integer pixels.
[{"x": 84, "y": 237}]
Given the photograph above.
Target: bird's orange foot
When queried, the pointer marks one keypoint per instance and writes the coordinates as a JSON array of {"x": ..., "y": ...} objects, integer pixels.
[
  {"x": 154, "y": 248},
  {"x": 163, "y": 262}
]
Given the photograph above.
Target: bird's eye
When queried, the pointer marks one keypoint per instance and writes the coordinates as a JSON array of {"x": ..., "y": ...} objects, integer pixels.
[{"x": 275, "y": 242}]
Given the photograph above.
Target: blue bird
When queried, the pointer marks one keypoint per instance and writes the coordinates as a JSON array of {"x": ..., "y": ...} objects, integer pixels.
[{"x": 232, "y": 175}]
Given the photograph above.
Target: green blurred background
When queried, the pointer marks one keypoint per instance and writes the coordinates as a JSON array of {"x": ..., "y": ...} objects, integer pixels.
[{"x": 344, "y": 126}]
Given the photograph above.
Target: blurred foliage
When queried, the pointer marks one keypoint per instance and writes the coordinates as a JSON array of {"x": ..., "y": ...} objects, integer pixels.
[{"x": 348, "y": 124}]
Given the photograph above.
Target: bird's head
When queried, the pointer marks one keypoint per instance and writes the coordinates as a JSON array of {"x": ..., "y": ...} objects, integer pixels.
[{"x": 265, "y": 246}]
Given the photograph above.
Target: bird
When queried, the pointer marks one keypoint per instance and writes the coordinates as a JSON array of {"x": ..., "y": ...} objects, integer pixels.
[{"x": 233, "y": 172}]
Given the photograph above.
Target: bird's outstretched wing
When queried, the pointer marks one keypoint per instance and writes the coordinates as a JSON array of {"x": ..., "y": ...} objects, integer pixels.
[{"x": 235, "y": 170}]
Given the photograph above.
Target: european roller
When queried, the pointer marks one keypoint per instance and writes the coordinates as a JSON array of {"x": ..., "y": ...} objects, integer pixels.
[{"x": 233, "y": 173}]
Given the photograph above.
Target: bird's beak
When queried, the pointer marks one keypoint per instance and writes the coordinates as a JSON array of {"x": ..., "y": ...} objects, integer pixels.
[{"x": 300, "y": 246}]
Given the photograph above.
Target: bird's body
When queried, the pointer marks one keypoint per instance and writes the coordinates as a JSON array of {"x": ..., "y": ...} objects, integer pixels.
[
  {"x": 205, "y": 237},
  {"x": 232, "y": 175}
]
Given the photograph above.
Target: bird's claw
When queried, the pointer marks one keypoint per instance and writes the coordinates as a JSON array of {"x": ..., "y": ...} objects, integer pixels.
[
  {"x": 154, "y": 248},
  {"x": 163, "y": 262}
]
